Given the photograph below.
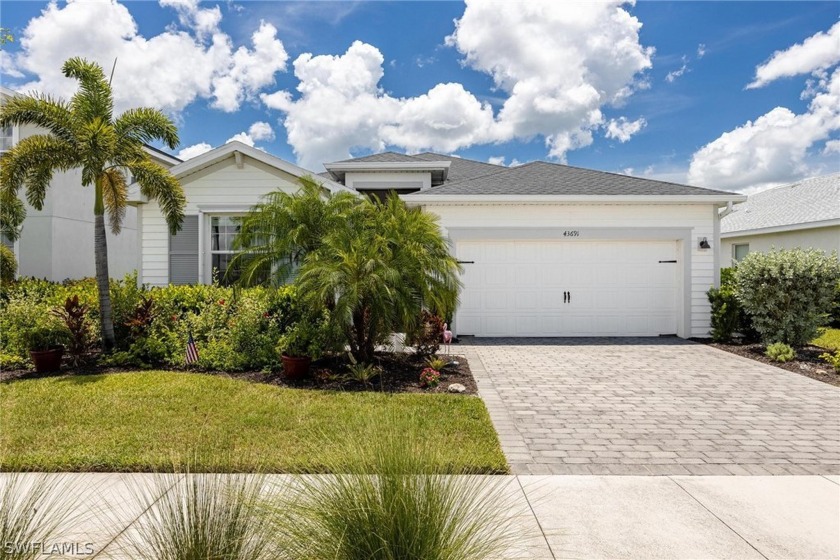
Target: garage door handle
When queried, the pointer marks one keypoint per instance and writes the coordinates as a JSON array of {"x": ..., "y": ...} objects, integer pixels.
[{"x": 567, "y": 297}]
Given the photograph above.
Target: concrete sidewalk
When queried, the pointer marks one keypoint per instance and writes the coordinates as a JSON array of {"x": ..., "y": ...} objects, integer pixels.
[{"x": 584, "y": 516}]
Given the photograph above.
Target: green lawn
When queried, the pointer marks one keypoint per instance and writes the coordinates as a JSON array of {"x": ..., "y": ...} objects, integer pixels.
[
  {"x": 148, "y": 421},
  {"x": 829, "y": 339}
]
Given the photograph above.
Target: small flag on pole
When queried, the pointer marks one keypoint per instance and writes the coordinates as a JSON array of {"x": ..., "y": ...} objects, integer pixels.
[{"x": 192, "y": 351}]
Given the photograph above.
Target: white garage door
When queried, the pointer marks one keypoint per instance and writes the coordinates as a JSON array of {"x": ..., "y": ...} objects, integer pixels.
[{"x": 568, "y": 288}]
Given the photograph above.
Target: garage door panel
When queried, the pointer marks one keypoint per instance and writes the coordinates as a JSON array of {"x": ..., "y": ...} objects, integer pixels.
[{"x": 516, "y": 288}]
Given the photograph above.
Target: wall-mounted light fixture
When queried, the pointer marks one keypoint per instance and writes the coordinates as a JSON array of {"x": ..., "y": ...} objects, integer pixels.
[{"x": 704, "y": 243}]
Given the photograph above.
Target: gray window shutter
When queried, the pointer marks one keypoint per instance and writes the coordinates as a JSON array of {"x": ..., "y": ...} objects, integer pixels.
[{"x": 183, "y": 253}]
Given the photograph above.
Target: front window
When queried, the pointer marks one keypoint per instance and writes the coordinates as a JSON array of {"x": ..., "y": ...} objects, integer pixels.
[
  {"x": 6, "y": 138},
  {"x": 223, "y": 230},
  {"x": 739, "y": 251}
]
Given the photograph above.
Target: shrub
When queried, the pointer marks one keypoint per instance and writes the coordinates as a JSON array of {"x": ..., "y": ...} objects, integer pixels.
[
  {"x": 436, "y": 363},
  {"x": 75, "y": 318},
  {"x": 780, "y": 352},
  {"x": 428, "y": 335},
  {"x": 11, "y": 361},
  {"x": 832, "y": 359},
  {"x": 391, "y": 499},
  {"x": 202, "y": 516},
  {"x": 363, "y": 373},
  {"x": 429, "y": 377},
  {"x": 835, "y": 308},
  {"x": 787, "y": 292},
  {"x": 8, "y": 265}
]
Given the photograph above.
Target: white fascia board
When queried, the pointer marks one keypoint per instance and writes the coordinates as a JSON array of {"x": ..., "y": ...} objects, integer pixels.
[
  {"x": 222, "y": 152},
  {"x": 781, "y": 229},
  {"x": 389, "y": 166},
  {"x": 443, "y": 199}
]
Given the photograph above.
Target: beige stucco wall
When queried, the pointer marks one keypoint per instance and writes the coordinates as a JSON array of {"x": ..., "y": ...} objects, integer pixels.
[{"x": 825, "y": 239}]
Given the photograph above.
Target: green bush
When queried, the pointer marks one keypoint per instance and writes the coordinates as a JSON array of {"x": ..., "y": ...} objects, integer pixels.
[
  {"x": 8, "y": 265},
  {"x": 832, "y": 359},
  {"x": 835, "y": 308},
  {"x": 728, "y": 316},
  {"x": 787, "y": 293},
  {"x": 234, "y": 329},
  {"x": 780, "y": 352}
]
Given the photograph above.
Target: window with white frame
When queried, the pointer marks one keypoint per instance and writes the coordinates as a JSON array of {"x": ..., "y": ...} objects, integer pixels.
[
  {"x": 6, "y": 138},
  {"x": 739, "y": 251},
  {"x": 223, "y": 230}
]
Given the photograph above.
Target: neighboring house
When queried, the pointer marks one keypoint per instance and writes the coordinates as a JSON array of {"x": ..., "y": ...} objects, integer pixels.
[
  {"x": 56, "y": 242},
  {"x": 805, "y": 214},
  {"x": 547, "y": 249}
]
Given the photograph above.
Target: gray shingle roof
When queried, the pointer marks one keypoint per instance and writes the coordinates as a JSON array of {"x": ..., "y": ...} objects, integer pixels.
[
  {"x": 461, "y": 168},
  {"x": 383, "y": 157},
  {"x": 811, "y": 200},
  {"x": 542, "y": 178}
]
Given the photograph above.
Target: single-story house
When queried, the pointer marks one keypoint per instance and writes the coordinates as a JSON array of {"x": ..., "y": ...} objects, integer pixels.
[
  {"x": 546, "y": 249},
  {"x": 805, "y": 214},
  {"x": 56, "y": 242}
]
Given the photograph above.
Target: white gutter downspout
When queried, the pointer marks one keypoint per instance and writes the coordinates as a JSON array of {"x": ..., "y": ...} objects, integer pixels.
[{"x": 728, "y": 210}]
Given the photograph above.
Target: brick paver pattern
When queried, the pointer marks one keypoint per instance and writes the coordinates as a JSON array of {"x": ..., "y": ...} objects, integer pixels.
[{"x": 651, "y": 406}]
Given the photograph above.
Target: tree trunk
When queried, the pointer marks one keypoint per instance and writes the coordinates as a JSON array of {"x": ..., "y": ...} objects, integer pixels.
[{"x": 100, "y": 247}]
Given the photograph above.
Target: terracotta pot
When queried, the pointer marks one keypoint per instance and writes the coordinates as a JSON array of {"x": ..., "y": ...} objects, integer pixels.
[
  {"x": 295, "y": 367},
  {"x": 47, "y": 360}
]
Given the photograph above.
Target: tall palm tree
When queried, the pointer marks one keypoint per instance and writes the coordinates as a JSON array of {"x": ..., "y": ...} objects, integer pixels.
[
  {"x": 382, "y": 268},
  {"x": 83, "y": 133}
]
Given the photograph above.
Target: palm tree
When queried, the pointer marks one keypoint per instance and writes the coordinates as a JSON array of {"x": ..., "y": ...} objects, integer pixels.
[
  {"x": 281, "y": 230},
  {"x": 380, "y": 270},
  {"x": 83, "y": 133}
]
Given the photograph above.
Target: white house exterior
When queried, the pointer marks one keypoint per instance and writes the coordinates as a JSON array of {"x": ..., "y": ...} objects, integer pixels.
[
  {"x": 56, "y": 242},
  {"x": 547, "y": 250},
  {"x": 220, "y": 184},
  {"x": 804, "y": 214}
]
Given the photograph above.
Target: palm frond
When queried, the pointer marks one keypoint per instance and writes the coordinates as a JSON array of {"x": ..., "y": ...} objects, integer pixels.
[
  {"x": 145, "y": 125},
  {"x": 41, "y": 110},
  {"x": 114, "y": 195},
  {"x": 94, "y": 98},
  {"x": 31, "y": 164},
  {"x": 158, "y": 184},
  {"x": 12, "y": 214}
]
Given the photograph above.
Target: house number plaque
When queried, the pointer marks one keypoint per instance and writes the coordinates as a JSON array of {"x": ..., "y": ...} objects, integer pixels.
[{"x": 571, "y": 233}]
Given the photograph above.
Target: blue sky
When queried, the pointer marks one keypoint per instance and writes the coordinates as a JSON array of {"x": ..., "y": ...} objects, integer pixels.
[{"x": 515, "y": 86}]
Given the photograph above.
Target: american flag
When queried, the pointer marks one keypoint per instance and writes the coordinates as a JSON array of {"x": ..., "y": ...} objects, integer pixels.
[{"x": 192, "y": 351}]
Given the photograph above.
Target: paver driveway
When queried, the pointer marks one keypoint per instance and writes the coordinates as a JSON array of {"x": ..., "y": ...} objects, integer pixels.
[{"x": 651, "y": 406}]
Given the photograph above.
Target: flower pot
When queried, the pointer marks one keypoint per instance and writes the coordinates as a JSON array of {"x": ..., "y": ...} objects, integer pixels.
[
  {"x": 295, "y": 367},
  {"x": 47, "y": 360}
]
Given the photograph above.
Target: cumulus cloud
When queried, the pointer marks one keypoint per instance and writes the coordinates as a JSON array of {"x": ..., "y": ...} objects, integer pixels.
[
  {"x": 261, "y": 131},
  {"x": 832, "y": 147},
  {"x": 817, "y": 52},
  {"x": 195, "y": 150},
  {"x": 779, "y": 146},
  {"x": 557, "y": 65},
  {"x": 622, "y": 130},
  {"x": 701, "y": 50},
  {"x": 772, "y": 149},
  {"x": 167, "y": 71},
  {"x": 243, "y": 137}
]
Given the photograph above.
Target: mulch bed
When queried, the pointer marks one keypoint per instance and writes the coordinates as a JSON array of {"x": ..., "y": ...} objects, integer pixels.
[
  {"x": 400, "y": 374},
  {"x": 807, "y": 362}
]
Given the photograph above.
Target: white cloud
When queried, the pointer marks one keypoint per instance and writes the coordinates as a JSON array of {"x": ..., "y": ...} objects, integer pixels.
[
  {"x": 701, "y": 50},
  {"x": 496, "y": 160},
  {"x": 261, "y": 131},
  {"x": 257, "y": 132},
  {"x": 167, "y": 71},
  {"x": 772, "y": 149},
  {"x": 832, "y": 147},
  {"x": 243, "y": 137},
  {"x": 622, "y": 130},
  {"x": 818, "y": 52},
  {"x": 557, "y": 64},
  {"x": 674, "y": 74},
  {"x": 195, "y": 150}
]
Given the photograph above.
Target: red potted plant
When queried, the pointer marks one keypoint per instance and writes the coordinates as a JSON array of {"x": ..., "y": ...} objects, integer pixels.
[
  {"x": 302, "y": 342},
  {"x": 46, "y": 347}
]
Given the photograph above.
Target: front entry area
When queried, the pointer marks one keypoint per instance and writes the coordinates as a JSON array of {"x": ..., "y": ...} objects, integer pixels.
[{"x": 569, "y": 288}]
